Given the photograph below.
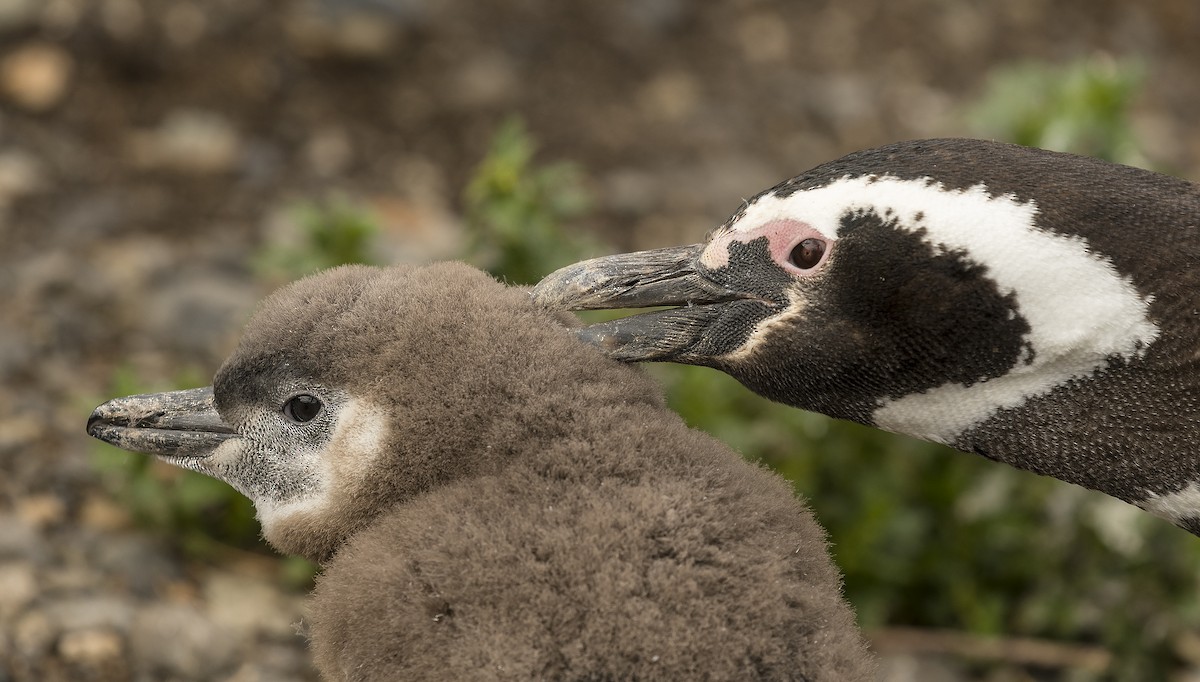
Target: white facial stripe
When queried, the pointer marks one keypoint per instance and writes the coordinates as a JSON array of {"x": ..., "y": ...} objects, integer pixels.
[
  {"x": 357, "y": 440},
  {"x": 1079, "y": 308},
  {"x": 762, "y": 330},
  {"x": 1174, "y": 507}
]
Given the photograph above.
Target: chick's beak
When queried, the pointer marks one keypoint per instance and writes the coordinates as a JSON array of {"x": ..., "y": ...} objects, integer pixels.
[
  {"x": 180, "y": 424},
  {"x": 662, "y": 277}
]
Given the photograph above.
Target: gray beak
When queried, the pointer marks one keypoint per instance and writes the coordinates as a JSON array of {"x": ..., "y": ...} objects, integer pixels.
[
  {"x": 632, "y": 280},
  {"x": 663, "y": 277},
  {"x": 175, "y": 424}
]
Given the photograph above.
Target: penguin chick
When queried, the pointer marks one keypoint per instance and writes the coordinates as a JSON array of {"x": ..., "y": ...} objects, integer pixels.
[
  {"x": 492, "y": 499},
  {"x": 1034, "y": 307}
]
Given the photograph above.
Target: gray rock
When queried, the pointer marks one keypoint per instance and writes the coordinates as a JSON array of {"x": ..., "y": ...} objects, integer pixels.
[
  {"x": 95, "y": 654},
  {"x": 276, "y": 663},
  {"x": 188, "y": 141},
  {"x": 91, "y": 612},
  {"x": 18, "y": 587},
  {"x": 33, "y": 635},
  {"x": 488, "y": 80},
  {"x": 21, "y": 174},
  {"x": 18, "y": 14},
  {"x": 343, "y": 31},
  {"x": 180, "y": 641},
  {"x": 18, "y": 539},
  {"x": 36, "y": 76},
  {"x": 198, "y": 313},
  {"x": 251, "y": 606},
  {"x": 138, "y": 561}
]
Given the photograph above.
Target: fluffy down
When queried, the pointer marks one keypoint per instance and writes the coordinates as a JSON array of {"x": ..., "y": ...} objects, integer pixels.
[{"x": 536, "y": 512}]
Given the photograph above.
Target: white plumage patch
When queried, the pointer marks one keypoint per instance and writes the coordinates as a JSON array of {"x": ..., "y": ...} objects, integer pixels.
[
  {"x": 1080, "y": 310},
  {"x": 1175, "y": 507},
  {"x": 762, "y": 330},
  {"x": 338, "y": 466}
]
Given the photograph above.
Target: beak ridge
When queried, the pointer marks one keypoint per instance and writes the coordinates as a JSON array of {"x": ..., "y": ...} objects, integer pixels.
[
  {"x": 661, "y": 277},
  {"x": 173, "y": 424}
]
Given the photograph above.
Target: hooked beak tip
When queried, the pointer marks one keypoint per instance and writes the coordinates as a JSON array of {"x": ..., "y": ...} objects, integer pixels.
[
  {"x": 173, "y": 424},
  {"x": 94, "y": 423}
]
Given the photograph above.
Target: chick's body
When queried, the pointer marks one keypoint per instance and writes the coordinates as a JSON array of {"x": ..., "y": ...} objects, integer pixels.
[
  {"x": 584, "y": 531},
  {"x": 493, "y": 499},
  {"x": 582, "y": 562}
]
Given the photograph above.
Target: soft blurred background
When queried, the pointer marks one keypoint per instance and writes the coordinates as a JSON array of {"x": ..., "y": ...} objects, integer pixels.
[{"x": 164, "y": 163}]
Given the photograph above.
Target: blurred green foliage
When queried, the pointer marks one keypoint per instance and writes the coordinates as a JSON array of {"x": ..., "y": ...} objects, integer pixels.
[
  {"x": 518, "y": 213},
  {"x": 1081, "y": 107},
  {"x": 322, "y": 234}
]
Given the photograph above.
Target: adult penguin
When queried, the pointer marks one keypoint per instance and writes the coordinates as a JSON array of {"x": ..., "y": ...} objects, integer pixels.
[{"x": 1034, "y": 307}]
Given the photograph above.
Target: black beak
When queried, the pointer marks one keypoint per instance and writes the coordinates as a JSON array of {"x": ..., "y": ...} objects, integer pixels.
[
  {"x": 174, "y": 424},
  {"x": 663, "y": 277}
]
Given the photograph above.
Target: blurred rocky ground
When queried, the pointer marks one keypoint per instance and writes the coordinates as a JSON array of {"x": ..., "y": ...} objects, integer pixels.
[{"x": 148, "y": 148}]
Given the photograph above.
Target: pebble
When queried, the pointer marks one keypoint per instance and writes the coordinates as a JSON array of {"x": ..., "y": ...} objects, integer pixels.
[
  {"x": 33, "y": 635},
  {"x": 763, "y": 38},
  {"x": 61, "y": 17},
  {"x": 36, "y": 76},
  {"x": 18, "y": 14},
  {"x": 247, "y": 605},
  {"x": 122, "y": 19},
  {"x": 328, "y": 152},
  {"x": 633, "y": 191},
  {"x": 98, "y": 651},
  {"x": 489, "y": 80},
  {"x": 185, "y": 23},
  {"x": 906, "y": 668},
  {"x": 669, "y": 97},
  {"x": 189, "y": 141},
  {"x": 18, "y": 539},
  {"x": 417, "y": 230},
  {"x": 138, "y": 562},
  {"x": 40, "y": 511},
  {"x": 18, "y": 587},
  {"x": 19, "y": 431},
  {"x": 275, "y": 663},
  {"x": 179, "y": 640},
  {"x": 87, "y": 612},
  {"x": 351, "y": 33},
  {"x": 21, "y": 174},
  {"x": 103, "y": 514},
  {"x": 198, "y": 313}
]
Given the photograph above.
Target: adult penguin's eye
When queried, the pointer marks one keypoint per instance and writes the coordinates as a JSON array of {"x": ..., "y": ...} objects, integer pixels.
[
  {"x": 807, "y": 253},
  {"x": 302, "y": 408}
]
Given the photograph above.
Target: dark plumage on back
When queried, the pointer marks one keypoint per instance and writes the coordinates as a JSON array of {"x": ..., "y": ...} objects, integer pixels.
[{"x": 492, "y": 499}]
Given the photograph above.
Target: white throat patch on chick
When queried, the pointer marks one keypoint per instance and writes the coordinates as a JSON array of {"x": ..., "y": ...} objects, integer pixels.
[
  {"x": 287, "y": 476},
  {"x": 1081, "y": 311},
  {"x": 356, "y": 443}
]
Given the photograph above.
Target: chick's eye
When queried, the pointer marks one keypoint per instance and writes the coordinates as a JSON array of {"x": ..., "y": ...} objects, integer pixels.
[
  {"x": 302, "y": 408},
  {"x": 807, "y": 253}
]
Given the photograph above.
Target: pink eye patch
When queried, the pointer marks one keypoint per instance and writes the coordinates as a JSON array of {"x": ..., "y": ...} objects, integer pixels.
[{"x": 795, "y": 246}]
